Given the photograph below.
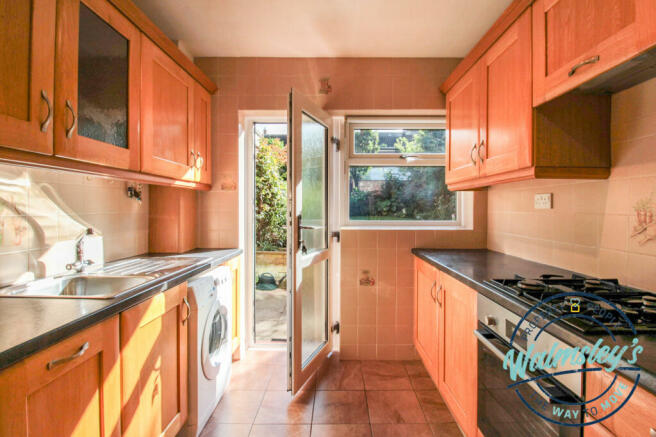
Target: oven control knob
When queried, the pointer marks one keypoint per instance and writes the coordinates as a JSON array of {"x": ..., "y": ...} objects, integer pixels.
[{"x": 490, "y": 321}]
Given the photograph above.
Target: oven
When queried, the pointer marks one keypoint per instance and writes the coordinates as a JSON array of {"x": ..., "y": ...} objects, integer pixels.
[{"x": 501, "y": 410}]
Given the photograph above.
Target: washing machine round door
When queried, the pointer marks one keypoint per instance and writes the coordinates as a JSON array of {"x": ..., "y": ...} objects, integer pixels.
[{"x": 215, "y": 340}]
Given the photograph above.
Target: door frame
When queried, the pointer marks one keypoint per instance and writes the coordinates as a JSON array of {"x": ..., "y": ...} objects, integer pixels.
[{"x": 250, "y": 119}]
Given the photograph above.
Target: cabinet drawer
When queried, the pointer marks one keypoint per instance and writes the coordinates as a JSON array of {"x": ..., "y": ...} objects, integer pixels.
[{"x": 635, "y": 418}]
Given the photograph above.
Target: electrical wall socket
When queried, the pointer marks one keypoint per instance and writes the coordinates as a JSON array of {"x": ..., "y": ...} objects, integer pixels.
[{"x": 543, "y": 201}]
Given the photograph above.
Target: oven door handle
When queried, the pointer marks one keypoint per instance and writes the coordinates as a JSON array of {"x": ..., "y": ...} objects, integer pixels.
[{"x": 501, "y": 356}]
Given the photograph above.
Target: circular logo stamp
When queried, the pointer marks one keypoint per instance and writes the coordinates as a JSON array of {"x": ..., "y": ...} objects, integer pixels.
[{"x": 533, "y": 367}]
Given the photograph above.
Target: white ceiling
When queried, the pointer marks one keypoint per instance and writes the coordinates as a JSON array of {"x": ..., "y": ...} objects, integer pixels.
[{"x": 325, "y": 28}]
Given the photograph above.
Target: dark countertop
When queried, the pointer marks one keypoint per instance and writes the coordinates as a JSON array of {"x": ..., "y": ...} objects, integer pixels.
[
  {"x": 474, "y": 266},
  {"x": 28, "y": 325}
]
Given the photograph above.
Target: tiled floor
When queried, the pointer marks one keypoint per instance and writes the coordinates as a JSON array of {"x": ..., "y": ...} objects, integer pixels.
[{"x": 345, "y": 399}]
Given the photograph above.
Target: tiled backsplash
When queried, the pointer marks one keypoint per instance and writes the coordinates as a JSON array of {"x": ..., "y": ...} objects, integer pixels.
[
  {"x": 376, "y": 320},
  {"x": 42, "y": 212},
  {"x": 605, "y": 227}
]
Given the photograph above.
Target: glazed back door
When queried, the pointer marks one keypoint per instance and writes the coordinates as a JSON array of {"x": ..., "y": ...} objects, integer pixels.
[{"x": 308, "y": 240}]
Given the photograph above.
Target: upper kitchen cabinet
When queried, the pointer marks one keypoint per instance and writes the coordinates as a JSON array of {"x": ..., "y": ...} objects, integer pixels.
[
  {"x": 97, "y": 84},
  {"x": 27, "y": 63},
  {"x": 202, "y": 147},
  {"x": 577, "y": 40},
  {"x": 495, "y": 133},
  {"x": 167, "y": 115},
  {"x": 463, "y": 121}
]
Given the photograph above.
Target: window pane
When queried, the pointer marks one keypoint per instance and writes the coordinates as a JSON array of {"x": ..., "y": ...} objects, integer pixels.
[
  {"x": 314, "y": 141},
  {"x": 396, "y": 141},
  {"x": 399, "y": 193},
  {"x": 314, "y": 300}
]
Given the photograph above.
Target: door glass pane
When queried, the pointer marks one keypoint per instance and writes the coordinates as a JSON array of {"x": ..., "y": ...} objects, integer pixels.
[
  {"x": 102, "y": 81},
  {"x": 314, "y": 309},
  {"x": 314, "y": 141}
]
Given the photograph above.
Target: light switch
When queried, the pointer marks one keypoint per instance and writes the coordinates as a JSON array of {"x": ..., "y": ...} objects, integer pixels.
[{"x": 543, "y": 201}]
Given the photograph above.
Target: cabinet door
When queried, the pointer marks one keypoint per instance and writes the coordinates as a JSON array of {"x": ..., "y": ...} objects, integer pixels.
[
  {"x": 70, "y": 389},
  {"x": 167, "y": 111},
  {"x": 458, "y": 352},
  {"x": 154, "y": 365},
  {"x": 506, "y": 118},
  {"x": 27, "y": 63},
  {"x": 463, "y": 122},
  {"x": 97, "y": 77},
  {"x": 202, "y": 134},
  {"x": 426, "y": 315},
  {"x": 576, "y": 40}
]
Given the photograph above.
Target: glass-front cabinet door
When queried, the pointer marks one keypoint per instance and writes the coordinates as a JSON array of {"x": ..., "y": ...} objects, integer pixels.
[{"x": 97, "y": 82}]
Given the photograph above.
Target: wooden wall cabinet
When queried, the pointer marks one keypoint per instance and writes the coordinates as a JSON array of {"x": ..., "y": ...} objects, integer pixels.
[
  {"x": 27, "y": 57},
  {"x": 167, "y": 114},
  {"x": 154, "y": 365},
  {"x": 70, "y": 389},
  {"x": 425, "y": 310},
  {"x": 97, "y": 84},
  {"x": 575, "y": 41},
  {"x": 202, "y": 147},
  {"x": 495, "y": 134},
  {"x": 458, "y": 352},
  {"x": 635, "y": 418},
  {"x": 172, "y": 221}
]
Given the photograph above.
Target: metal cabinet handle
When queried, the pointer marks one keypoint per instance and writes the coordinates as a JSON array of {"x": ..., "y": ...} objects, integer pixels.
[
  {"x": 591, "y": 60},
  {"x": 193, "y": 159},
  {"x": 69, "y": 131},
  {"x": 471, "y": 153},
  {"x": 186, "y": 302},
  {"x": 199, "y": 161},
  {"x": 45, "y": 123},
  {"x": 482, "y": 149},
  {"x": 77, "y": 354},
  {"x": 439, "y": 291},
  {"x": 432, "y": 290}
]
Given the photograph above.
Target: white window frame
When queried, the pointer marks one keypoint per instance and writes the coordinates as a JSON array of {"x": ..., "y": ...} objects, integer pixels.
[{"x": 463, "y": 200}]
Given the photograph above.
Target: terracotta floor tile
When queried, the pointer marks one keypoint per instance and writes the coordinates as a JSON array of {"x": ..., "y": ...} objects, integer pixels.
[
  {"x": 278, "y": 380},
  {"x": 340, "y": 407},
  {"x": 385, "y": 375},
  {"x": 242, "y": 378},
  {"x": 279, "y": 407},
  {"x": 340, "y": 375},
  {"x": 341, "y": 430},
  {"x": 422, "y": 383},
  {"x": 213, "y": 429},
  {"x": 446, "y": 430},
  {"x": 433, "y": 406},
  {"x": 394, "y": 407},
  {"x": 279, "y": 431},
  {"x": 415, "y": 368},
  {"x": 402, "y": 430},
  {"x": 238, "y": 406}
]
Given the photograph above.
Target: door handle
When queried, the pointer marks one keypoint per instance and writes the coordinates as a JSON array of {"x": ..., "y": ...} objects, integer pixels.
[
  {"x": 432, "y": 290},
  {"x": 45, "y": 123},
  {"x": 299, "y": 228},
  {"x": 193, "y": 159},
  {"x": 58, "y": 361},
  {"x": 482, "y": 149},
  {"x": 471, "y": 154},
  {"x": 69, "y": 131},
  {"x": 199, "y": 161},
  {"x": 591, "y": 60},
  {"x": 439, "y": 291},
  {"x": 186, "y": 302}
]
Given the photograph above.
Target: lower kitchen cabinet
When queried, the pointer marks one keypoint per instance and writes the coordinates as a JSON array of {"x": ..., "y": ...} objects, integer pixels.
[
  {"x": 154, "y": 365},
  {"x": 458, "y": 350},
  {"x": 636, "y": 417},
  {"x": 70, "y": 389},
  {"x": 425, "y": 309}
]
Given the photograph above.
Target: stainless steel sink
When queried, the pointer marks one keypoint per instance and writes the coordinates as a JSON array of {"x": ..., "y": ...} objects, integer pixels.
[{"x": 83, "y": 286}]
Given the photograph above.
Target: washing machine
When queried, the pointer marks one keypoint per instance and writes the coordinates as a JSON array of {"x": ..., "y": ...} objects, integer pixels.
[{"x": 210, "y": 347}]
